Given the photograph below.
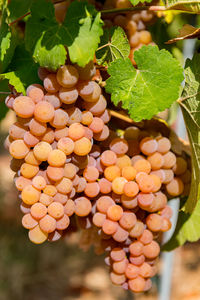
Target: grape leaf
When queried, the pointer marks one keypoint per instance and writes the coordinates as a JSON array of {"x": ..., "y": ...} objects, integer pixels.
[
  {"x": 43, "y": 36},
  {"x": 192, "y": 6},
  {"x": 150, "y": 89},
  {"x": 135, "y": 2},
  {"x": 22, "y": 70},
  {"x": 188, "y": 227},
  {"x": 80, "y": 32},
  {"x": 18, "y": 8},
  {"x": 114, "y": 44},
  {"x": 7, "y": 41},
  {"x": 4, "y": 89},
  {"x": 186, "y": 32},
  {"x": 82, "y": 29}
]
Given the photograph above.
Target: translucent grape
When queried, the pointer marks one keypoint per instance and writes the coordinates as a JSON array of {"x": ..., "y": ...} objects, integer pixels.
[
  {"x": 28, "y": 171},
  {"x": 67, "y": 76},
  {"x": 131, "y": 271},
  {"x": 51, "y": 84},
  {"x": 105, "y": 186},
  {"x": 30, "y": 195},
  {"x": 44, "y": 111},
  {"x": 175, "y": 187},
  {"x": 108, "y": 158},
  {"x": 18, "y": 149},
  {"x": 64, "y": 186},
  {"x": 37, "y": 236},
  {"x": 103, "y": 203},
  {"x": 98, "y": 219},
  {"x": 151, "y": 250},
  {"x": 118, "y": 185},
  {"x": 38, "y": 210},
  {"x": 29, "y": 222},
  {"x": 114, "y": 212},
  {"x": 42, "y": 151},
  {"x": 129, "y": 172},
  {"x": 68, "y": 96},
  {"x": 128, "y": 220},
  {"x": 36, "y": 93},
  {"x": 119, "y": 146},
  {"x": 82, "y": 207},
  {"x": 92, "y": 189},
  {"x": 131, "y": 189},
  {"x": 137, "y": 284},
  {"x": 53, "y": 99},
  {"x": 117, "y": 254},
  {"x": 47, "y": 224},
  {"x": 164, "y": 145},
  {"x": 97, "y": 125},
  {"x": 96, "y": 108},
  {"x": 112, "y": 172},
  {"x": 24, "y": 106},
  {"x": 56, "y": 158},
  {"x": 69, "y": 207},
  {"x": 37, "y": 128},
  {"x": 82, "y": 146},
  {"x": 60, "y": 119},
  {"x": 62, "y": 223}
]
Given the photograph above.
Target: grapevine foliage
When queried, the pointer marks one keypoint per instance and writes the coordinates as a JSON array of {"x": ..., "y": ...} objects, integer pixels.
[
  {"x": 114, "y": 44},
  {"x": 24, "y": 70},
  {"x": 46, "y": 38},
  {"x": 189, "y": 6},
  {"x": 18, "y": 8},
  {"x": 188, "y": 223},
  {"x": 7, "y": 42},
  {"x": 148, "y": 90}
]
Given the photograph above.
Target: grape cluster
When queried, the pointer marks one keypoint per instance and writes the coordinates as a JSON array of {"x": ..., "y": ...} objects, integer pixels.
[
  {"x": 74, "y": 172},
  {"x": 133, "y": 23},
  {"x": 50, "y": 142},
  {"x": 129, "y": 184}
]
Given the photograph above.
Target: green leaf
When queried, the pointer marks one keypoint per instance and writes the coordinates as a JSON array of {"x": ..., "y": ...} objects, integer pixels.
[
  {"x": 23, "y": 70},
  {"x": 18, "y": 8},
  {"x": 114, "y": 44},
  {"x": 188, "y": 227},
  {"x": 7, "y": 41},
  {"x": 82, "y": 29},
  {"x": 4, "y": 92},
  {"x": 192, "y": 6},
  {"x": 150, "y": 89},
  {"x": 46, "y": 39},
  {"x": 43, "y": 36},
  {"x": 135, "y": 2}
]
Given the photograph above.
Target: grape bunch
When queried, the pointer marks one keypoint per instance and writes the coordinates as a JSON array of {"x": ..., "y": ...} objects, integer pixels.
[
  {"x": 56, "y": 126},
  {"x": 134, "y": 24},
  {"x": 129, "y": 185},
  {"x": 75, "y": 172}
]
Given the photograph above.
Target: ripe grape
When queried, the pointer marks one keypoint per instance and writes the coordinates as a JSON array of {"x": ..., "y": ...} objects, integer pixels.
[
  {"x": 37, "y": 236},
  {"x": 24, "y": 106},
  {"x": 67, "y": 76}
]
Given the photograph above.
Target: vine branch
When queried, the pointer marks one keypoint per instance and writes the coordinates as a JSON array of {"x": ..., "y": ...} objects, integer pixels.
[
  {"x": 147, "y": 7},
  {"x": 19, "y": 19}
]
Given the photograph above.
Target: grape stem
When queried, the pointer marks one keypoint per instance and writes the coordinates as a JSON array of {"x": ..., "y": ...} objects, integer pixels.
[
  {"x": 120, "y": 115},
  {"x": 121, "y": 10},
  {"x": 19, "y": 19},
  {"x": 28, "y": 13}
]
